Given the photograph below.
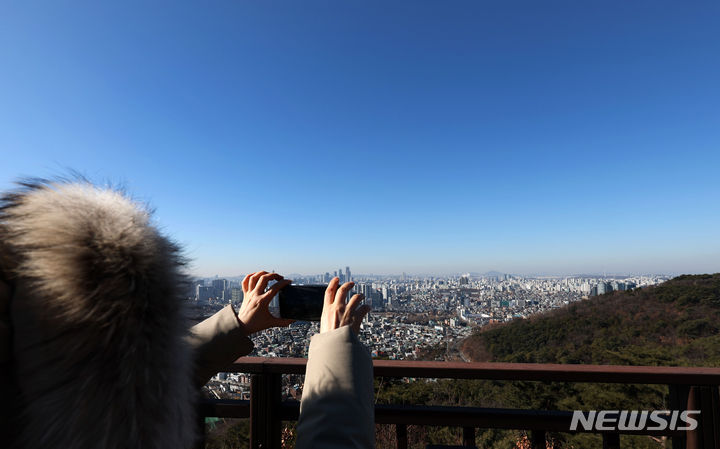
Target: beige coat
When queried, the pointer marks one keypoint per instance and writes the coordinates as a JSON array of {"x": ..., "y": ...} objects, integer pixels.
[
  {"x": 336, "y": 410},
  {"x": 94, "y": 348}
]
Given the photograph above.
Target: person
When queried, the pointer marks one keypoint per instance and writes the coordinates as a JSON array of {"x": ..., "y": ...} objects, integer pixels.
[
  {"x": 94, "y": 349},
  {"x": 336, "y": 408}
]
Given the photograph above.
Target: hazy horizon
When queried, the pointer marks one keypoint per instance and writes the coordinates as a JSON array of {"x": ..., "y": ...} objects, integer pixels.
[{"x": 608, "y": 274}]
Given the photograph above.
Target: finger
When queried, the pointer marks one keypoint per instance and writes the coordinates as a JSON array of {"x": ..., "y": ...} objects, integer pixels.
[
  {"x": 354, "y": 302},
  {"x": 351, "y": 306},
  {"x": 265, "y": 280},
  {"x": 331, "y": 289},
  {"x": 255, "y": 278},
  {"x": 274, "y": 290},
  {"x": 358, "y": 316},
  {"x": 342, "y": 293},
  {"x": 246, "y": 283}
]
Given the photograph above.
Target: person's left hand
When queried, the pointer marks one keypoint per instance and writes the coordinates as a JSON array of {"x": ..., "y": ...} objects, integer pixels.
[
  {"x": 254, "y": 313},
  {"x": 338, "y": 311}
]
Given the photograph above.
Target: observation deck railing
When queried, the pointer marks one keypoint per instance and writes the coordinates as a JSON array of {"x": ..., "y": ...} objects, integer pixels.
[{"x": 689, "y": 389}]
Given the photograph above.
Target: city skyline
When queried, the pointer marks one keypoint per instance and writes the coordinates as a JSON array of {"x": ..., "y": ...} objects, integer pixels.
[
  {"x": 420, "y": 137},
  {"x": 325, "y": 276}
]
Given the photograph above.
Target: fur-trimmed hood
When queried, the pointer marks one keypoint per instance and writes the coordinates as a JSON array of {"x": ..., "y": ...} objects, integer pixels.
[{"x": 97, "y": 356}]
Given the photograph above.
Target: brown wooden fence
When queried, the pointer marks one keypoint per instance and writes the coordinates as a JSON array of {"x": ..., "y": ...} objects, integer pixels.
[{"x": 689, "y": 389}]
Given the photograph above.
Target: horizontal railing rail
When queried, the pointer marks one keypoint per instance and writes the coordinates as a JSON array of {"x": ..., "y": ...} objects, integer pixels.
[
  {"x": 490, "y": 418},
  {"x": 690, "y": 388},
  {"x": 679, "y": 375}
]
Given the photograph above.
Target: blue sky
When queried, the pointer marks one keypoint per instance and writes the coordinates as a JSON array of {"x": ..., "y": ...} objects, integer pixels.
[{"x": 525, "y": 137}]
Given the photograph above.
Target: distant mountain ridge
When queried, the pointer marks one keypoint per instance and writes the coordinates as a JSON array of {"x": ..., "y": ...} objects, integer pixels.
[{"x": 674, "y": 323}]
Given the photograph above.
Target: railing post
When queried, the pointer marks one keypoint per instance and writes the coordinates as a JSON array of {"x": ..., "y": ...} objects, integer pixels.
[
  {"x": 537, "y": 439},
  {"x": 678, "y": 400},
  {"x": 265, "y": 425},
  {"x": 401, "y": 436},
  {"x": 469, "y": 436},
  {"x": 611, "y": 441},
  {"x": 706, "y": 435},
  {"x": 694, "y": 437}
]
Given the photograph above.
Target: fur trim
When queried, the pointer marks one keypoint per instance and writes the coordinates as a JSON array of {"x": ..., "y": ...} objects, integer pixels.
[{"x": 100, "y": 359}]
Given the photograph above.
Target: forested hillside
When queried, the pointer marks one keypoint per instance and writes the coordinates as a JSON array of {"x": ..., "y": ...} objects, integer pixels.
[{"x": 675, "y": 323}]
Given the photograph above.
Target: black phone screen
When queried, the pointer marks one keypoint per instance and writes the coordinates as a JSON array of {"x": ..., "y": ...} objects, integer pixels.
[{"x": 302, "y": 302}]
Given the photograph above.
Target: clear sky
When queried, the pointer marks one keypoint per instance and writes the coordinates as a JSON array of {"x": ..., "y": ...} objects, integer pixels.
[{"x": 418, "y": 136}]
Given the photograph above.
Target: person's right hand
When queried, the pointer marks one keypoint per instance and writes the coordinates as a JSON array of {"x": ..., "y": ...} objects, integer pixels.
[
  {"x": 337, "y": 313},
  {"x": 254, "y": 314}
]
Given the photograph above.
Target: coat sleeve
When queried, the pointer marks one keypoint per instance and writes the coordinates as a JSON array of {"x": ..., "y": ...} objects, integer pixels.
[
  {"x": 217, "y": 342},
  {"x": 336, "y": 410}
]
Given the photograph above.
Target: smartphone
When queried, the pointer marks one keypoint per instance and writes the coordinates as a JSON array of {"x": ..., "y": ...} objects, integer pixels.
[{"x": 301, "y": 302}]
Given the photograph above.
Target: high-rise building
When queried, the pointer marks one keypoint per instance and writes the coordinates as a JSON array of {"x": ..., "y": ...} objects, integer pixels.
[
  {"x": 604, "y": 287},
  {"x": 236, "y": 294},
  {"x": 203, "y": 293},
  {"x": 348, "y": 278},
  {"x": 220, "y": 286}
]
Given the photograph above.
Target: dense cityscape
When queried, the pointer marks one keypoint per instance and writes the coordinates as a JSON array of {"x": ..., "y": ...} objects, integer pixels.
[{"x": 413, "y": 316}]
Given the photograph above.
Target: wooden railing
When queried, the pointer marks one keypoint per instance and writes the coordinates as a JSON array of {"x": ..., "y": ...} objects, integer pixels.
[{"x": 689, "y": 389}]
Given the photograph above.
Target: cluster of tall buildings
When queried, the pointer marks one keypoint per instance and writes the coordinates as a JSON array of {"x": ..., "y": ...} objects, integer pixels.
[
  {"x": 345, "y": 276},
  {"x": 603, "y": 287},
  {"x": 217, "y": 290}
]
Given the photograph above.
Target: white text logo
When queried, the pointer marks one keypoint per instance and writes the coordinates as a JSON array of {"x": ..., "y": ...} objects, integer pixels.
[{"x": 634, "y": 420}]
